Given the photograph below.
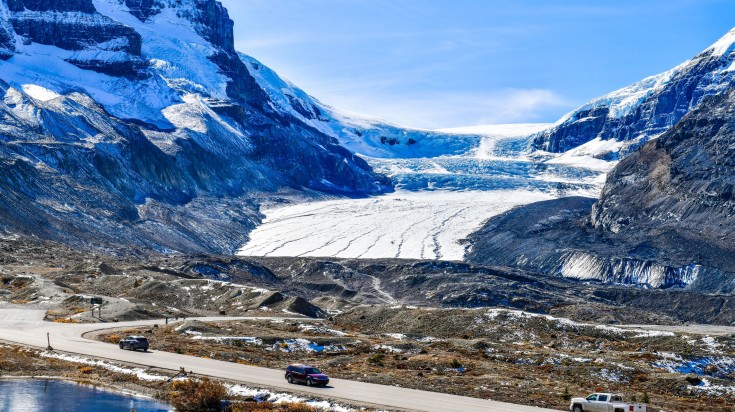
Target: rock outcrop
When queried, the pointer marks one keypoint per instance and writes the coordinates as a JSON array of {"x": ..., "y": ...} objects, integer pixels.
[{"x": 95, "y": 42}]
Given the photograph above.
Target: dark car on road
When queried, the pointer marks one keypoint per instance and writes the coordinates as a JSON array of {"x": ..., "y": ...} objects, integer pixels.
[
  {"x": 309, "y": 375},
  {"x": 134, "y": 343}
]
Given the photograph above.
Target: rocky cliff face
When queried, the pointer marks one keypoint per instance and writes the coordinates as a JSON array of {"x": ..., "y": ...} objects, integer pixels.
[
  {"x": 134, "y": 122},
  {"x": 682, "y": 184},
  {"x": 95, "y": 41},
  {"x": 664, "y": 219},
  {"x": 646, "y": 109}
]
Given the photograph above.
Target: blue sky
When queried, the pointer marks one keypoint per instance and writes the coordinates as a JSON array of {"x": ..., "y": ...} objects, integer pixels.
[{"x": 450, "y": 63}]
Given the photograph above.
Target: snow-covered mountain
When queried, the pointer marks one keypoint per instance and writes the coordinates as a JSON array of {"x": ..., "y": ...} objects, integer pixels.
[
  {"x": 470, "y": 158},
  {"x": 664, "y": 217},
  {"x": 370, "y": 137},
  {"x": 135, "y": 122},
  {"x": 629, "y": 117}
]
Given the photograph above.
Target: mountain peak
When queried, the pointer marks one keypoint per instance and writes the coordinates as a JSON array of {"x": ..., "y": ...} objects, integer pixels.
[
  {"x": 645, "y": 110},
  {"x": 724, "y": 45}
]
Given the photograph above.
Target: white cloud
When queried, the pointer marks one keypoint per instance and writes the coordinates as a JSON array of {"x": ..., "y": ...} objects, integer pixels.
[{"x": 441, "y": 110}]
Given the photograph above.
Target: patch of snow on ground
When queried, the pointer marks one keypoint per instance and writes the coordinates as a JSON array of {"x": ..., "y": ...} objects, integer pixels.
[
  {"x": 588, "y": 155},
  {"x": 611, "y": 376},
  {"x": 304, "y": 345},
  {"x": 261, "y": 395},
  {"x": 321, "y": 329},
  {"x": 387, "y": 348},
  {"x": 140, "y": 373},
  {"x": 633, "y": 333},
  {"x": 230, "y": 339},
  {"x": 640, "y": 333},
  {"x": 39, "y": 93},
  {"x": 715, "y": 366},
  {"x": 711, "y": 344},
  {"x": 411, "y": 225}
]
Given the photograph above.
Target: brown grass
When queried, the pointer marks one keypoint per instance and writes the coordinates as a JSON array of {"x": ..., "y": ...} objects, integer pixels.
[
  {"x": 66, "y": 320},
  {"x": 267, "y": 406},
  {"x": 197, "y": 395}
]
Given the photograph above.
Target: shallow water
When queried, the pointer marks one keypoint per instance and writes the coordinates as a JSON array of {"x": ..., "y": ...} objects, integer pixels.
[{"x": 52, "y": 396}]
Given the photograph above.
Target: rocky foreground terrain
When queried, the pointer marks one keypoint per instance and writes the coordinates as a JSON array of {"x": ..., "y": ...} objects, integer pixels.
[
  {"x": 489, "y": 332},
  {"x": 497, "y": 354}
]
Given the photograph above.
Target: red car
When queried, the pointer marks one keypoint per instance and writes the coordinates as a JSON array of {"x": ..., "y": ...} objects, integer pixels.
[{"x": 309, "y": 375}]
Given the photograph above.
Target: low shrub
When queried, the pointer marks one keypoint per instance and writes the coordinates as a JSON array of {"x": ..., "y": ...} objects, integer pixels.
[
  {"x": 203, "y": 395},
  {"x": 376, "y": 359},
  {"x": 267, "y": 406}
]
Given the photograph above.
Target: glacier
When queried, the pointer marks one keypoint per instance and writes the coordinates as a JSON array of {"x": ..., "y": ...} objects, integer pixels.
[{"x": 405, "y": 224}]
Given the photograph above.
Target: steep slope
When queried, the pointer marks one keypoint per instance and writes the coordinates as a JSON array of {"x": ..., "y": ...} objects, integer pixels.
[
  {"x": 680, "y": 186},
  {"x": 360, "y": 134},
  {"x": 130, "y": 122},
  {"x": 665, "y": 217},
  {"x": 643, "y": 111}
]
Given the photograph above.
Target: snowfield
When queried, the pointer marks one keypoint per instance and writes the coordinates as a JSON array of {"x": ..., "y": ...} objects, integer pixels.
[{"x": 410, "y": 225}]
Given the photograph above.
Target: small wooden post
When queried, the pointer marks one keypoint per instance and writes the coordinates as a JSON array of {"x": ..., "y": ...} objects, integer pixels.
[{"x": 48, "y": 339}]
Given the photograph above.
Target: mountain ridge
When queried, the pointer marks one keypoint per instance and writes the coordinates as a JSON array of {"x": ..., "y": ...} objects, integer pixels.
[
  {"x": 147, "y": 133},
  {"x": 643, "y": 111}
]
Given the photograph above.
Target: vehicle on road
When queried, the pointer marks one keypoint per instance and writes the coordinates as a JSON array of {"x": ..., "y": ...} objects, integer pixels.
[
  {"x": 134, "y": 343},
  {"x": 605, "y": 402},
  {"x": 308, "y": 375}
]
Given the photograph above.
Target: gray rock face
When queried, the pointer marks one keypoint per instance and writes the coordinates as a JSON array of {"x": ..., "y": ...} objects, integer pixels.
[
  {"x": 682, "y": 184},
  {"x": 665, "y": 217},
  {"x": 644, "y": 110},
  {"x": 685, "y": 178},
  {"x": 143, "y": 9},
  {"x": 7, "y": 35},
  {"x": 84, "y": 6},
  {"x": 7, "y": 42},
  {"x": 556, "y": 238},
  {"x": 105, "y": 46}
]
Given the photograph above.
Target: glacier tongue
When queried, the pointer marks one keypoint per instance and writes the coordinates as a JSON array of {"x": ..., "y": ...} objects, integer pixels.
[{"x": 411, "y": 225}]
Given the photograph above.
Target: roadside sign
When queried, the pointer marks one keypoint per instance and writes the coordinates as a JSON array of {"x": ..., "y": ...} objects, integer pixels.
[{"x": 96, "y": 301}]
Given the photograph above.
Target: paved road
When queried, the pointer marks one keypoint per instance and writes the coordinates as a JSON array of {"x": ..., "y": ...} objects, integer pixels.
[
  {"x": 26, "y": 327},
  {"x": 711, "y": 330}
]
